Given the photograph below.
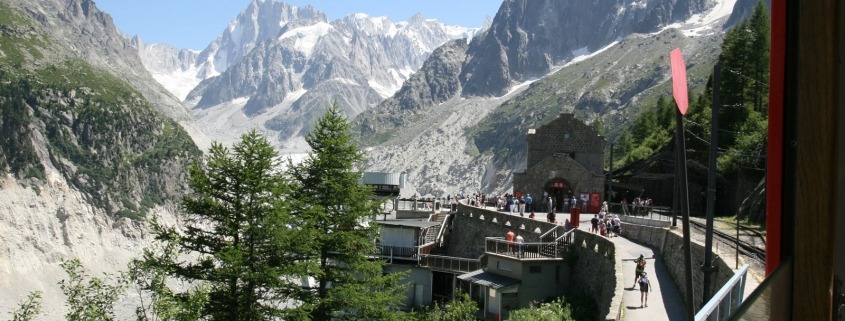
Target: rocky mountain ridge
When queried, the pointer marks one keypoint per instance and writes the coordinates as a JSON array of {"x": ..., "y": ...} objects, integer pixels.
[
  {"x": 613, "y": 82},
  {"x": 528, "y": 38},
  {"x": 86, "y": 155},
  {"x": 277, "y": 66}
]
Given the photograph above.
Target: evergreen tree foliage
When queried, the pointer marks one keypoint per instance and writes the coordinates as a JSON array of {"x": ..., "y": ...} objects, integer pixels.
[
  {"x": 598, "y": 125},
  {"x": 331, "y": 207},
  {"x": 165, "y": 304},
  {"x": 743, "y": 119},
  {"x": 16, "y": 150},
  {"x": 650, "y": 133},
  {"x": 235, "y": 229},
  {"x": 744, "y": 94}
]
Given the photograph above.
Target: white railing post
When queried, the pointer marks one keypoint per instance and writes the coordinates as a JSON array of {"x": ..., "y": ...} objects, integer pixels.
[{"x": 727, "y": 300}]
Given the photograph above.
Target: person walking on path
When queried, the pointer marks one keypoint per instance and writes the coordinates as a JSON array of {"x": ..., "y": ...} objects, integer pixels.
[
  {"x": 640, "y": 268},
  {"x": 645, "y": 288}
]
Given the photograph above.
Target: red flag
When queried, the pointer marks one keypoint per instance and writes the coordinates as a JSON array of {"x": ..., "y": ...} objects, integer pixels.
[{"x": 679, "y": 80}]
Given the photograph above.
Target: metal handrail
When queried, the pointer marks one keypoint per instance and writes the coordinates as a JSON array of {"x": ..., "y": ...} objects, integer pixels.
[
  {"x": 450, "y": 263},
  {"x": 727, "y": 300},
  {"x": 533, "y": 250},
  {"x": 567, "y": 235},
  {"x": 394, "y": 251},
  {"x": 555, "y": 229},
  {"x": 443, "y": 226}
]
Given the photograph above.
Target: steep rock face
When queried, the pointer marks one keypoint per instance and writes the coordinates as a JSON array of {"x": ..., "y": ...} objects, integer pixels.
[
  {"x": 285, "y": 81},
  {"x": 85, "y": 156},
  {"x": 437, "y": 79},
  {"x": 742, "y": 10},
  {"x": 613, "y": 79},
  {"x": 436, "y": 82},
  {"x": 260, "y": 21},
  {"x": 527, "y": 38},
  {"x": 173, "y": 68},
  {"x": 162, "y": 58},
  {"x": 92, "y": 35}
]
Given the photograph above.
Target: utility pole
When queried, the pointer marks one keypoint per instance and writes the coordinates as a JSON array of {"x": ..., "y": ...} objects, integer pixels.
[
  {"x": 708, "y": 267},
  {"x": 610, "y": 179},
  {"x": 675, "y": 195},
  {"x": 679, "y": 92}
]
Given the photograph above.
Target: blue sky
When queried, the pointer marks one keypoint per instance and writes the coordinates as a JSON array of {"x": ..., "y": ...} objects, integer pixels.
[{"x": 195, "y": 23}]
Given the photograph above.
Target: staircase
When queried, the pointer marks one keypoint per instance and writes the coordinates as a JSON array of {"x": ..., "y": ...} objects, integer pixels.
[
  {"x": 431, "y": 234},
  {"x": 438, "y": 233}
]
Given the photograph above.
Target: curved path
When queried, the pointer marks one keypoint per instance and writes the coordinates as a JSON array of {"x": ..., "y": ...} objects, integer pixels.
[{"x": 664, "y": 302}]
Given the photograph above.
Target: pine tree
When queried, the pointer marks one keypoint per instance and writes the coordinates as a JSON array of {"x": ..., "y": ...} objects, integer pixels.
[
  {"x": 235, "y": 229},
  {"x": 745, "y": 73},
  {"x": 743, "y": 95},
  {"x": 331, "y": 207}
]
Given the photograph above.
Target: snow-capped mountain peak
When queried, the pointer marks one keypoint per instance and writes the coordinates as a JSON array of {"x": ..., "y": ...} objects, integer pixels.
[{"x": 279, "y": 65}]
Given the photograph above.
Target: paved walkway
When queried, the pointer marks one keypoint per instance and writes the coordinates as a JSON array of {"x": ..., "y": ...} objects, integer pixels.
[{"x": 664, "y": 302}]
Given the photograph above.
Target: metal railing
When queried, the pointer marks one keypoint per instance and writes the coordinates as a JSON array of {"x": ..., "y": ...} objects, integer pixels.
[
  {"x": 450, "y": 263},
  {"x": 651, "y": 212},
  {"x": 727, "y": 300},
  {"x": 404, "y": 252},
  {"x": 445, "y": 224},
  {"x": 534, "y": 250},
  {"x": 408, "y": 204},
  {"x": 552, "y": 234}
]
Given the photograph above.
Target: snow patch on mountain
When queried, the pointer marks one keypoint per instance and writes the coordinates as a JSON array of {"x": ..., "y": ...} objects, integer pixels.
[
  {"x": 306, "y": 37},
  {"x": 704, "y": 23},
  {"x": 584, "y": 55},
  {"x": 179, "y": 82}
]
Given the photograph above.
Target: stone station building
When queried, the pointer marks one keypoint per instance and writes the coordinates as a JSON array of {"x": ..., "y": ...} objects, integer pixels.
[{"x": 565, "y": 159}]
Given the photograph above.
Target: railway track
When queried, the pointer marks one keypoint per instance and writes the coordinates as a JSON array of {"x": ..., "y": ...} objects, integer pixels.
[{"x": 745, "y": 248}]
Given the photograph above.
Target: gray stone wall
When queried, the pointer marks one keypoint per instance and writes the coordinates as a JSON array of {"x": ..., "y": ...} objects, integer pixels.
[
  {"x": 596, "y": 273},
  {"x": 567, "y": 135},
  {"x": 472, "y": 224},
  {"x": 580, "y": 179},
  {"x": 669, "y": 244}
]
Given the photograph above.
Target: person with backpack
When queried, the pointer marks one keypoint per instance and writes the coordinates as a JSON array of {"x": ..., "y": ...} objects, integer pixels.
[
  {"x": 640, "y": 261},
  {"x": 645, "y": 288}
]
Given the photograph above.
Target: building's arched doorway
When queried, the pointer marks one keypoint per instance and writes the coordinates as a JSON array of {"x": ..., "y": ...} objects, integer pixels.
[{"x": 559, "y": 189}]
